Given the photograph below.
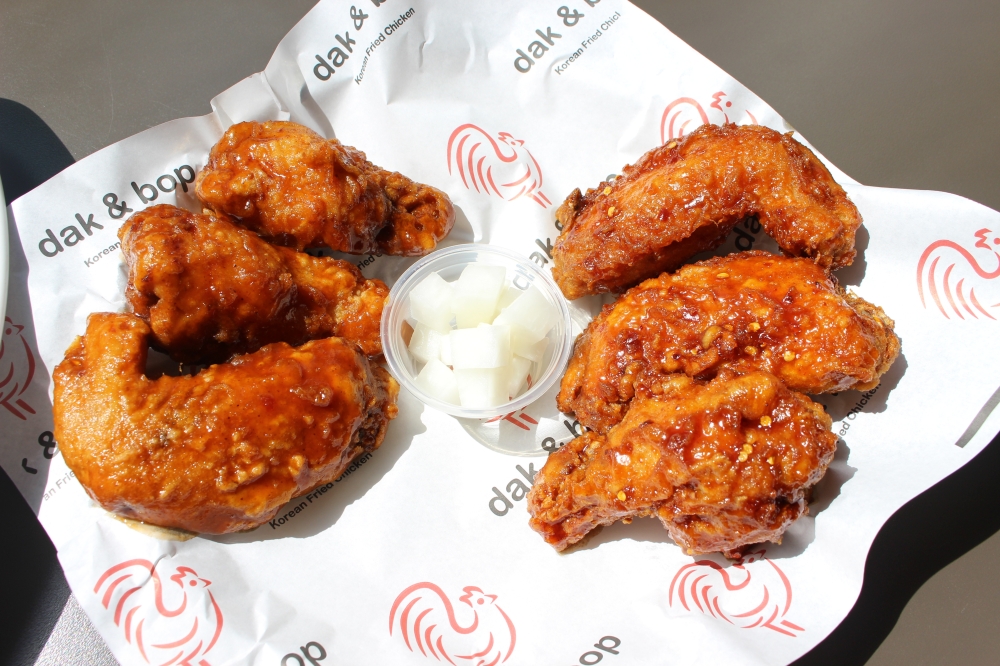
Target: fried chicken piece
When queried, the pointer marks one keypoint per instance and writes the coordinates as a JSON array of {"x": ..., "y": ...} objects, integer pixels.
[
  {"x": 220, "y": 451},
  {"x": 210, "y": 289},
  {"x": 747, "y": 311},
  {"x": 296, "y": 188},
  {"x": 723, "y": 465},
  {"x": 684, "y": 198}
]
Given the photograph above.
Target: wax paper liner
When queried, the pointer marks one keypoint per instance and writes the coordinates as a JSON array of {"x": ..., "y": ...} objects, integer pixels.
[{"x": 421, "y": 552}]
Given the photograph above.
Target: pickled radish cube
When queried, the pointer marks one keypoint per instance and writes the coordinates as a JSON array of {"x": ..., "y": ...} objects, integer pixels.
[
  {"x": 446, "y": 350},
  {"x": 430, "y": 303},
  {"x": 437, "y": 380},
  {"x": 476, "y": 293},
  {"x": 507, "y": 296},
  {"x": 425, "y": 343},
  {"x": 530, "y": 316},
  {"x": 485, "y": 346},
  {"x": 482, "y": 387},
  {"x": 533, "y": 351},
  {"x": 517, "y": 375}
]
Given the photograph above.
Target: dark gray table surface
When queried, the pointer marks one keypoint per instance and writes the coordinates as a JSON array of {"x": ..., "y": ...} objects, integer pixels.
[{"x": 897, "y": 93}]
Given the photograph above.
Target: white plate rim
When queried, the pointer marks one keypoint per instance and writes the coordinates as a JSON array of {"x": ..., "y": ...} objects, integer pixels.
[{"x": 4, "y": 254}]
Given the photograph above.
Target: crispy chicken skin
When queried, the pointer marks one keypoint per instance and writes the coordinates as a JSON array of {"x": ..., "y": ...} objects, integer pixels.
[
  {"x": 210, "y": 289},
  {"x": 684, "y": 198},
  {"x": 746, "y": 311},
  {"x": 723, "y": 465},
  {"x": 296, "y": 188},
  {"x": 220, "y": 451}
]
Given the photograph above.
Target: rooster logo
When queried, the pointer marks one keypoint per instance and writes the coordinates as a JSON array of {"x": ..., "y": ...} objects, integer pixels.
[
  {"x": 511, "y": 418},
  {"x": 172, "y": 625},
  {"x": 952, "y": 274},
  {"x": 427, "y": 620},
  {"x": 744, "y": 596},
  {"x": 17, "y": 368},
  {"x": 684, "y": 114},
  {"x": 502, "y": 166}
]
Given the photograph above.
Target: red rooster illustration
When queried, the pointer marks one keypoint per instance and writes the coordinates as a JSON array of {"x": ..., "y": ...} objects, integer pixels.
[
  {"x": 428, "y": 621},
  {"x": 511, "y": 418},
  {"x": 952, "y": 274},
  {"x": 171, "y": 626},
  {"x": 502, "y": 166},
  {"x": 684, "y": 114},
  {"x": 743, "y": 597},
  {"x": 17, "y": 368}
]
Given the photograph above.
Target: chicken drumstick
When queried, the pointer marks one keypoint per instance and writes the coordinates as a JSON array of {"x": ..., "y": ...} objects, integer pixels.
[
  {"x": 222, "y": 450},
  {"x": 684, "y": 198},
  {"x": 723, "y": 465},
  {"x": 296, "y": 188},
  {"x": 747, "y": 311},
  {"x": 210, "y": 289}
]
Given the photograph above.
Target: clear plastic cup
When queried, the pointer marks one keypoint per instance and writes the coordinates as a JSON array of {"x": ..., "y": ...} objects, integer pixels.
[{"x": 449, "y": 264}]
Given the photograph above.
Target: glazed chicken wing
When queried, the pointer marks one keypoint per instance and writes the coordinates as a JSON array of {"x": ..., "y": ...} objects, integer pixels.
[
  {"x": 684, "y": 198},
  {"x": 220, "y": 451},
  {"x": 723, "y": 465},
  {"x": 210, "y": 289},
  {"x": 746, "y": 311},
  {"x": 296, "y": 188}
]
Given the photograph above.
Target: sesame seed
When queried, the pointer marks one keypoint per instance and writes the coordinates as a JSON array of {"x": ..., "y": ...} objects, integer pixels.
[
  {"x": 765, "y": 421},
  {"x": 622, "y": 496},
  {"x": 745, "y": 453},
  {"x": 789, "y": 356},
  {"x": 711, "y": 333},
  {"x": 754, "y": 326},
  {"x": 750, "y": 349},
  {"x": 770, "y": 461},
  {"x": 611, "y": 211},
  {"x": 722, "y": 276},
  {"x": 671, "y": 145},
  {"x": 607, "y": 190}
]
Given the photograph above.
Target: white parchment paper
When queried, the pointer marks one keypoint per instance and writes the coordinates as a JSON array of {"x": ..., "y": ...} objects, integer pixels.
[{"x": 422, "y": 553}]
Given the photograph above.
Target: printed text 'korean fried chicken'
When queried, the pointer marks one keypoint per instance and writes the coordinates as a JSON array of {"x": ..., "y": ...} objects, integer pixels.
[
  {"x": 746, "y": 311},
  {"x": 296, "y": 188},
  {"x": 222, "y": 450},
  {"x": 723, "y": 465},
  {"x": 684, "y": 198},
  {"x": 209, "y": 288}
]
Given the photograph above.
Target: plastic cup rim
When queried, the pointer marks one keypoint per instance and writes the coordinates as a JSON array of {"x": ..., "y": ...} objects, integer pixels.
[{"x": 560, "y": 356}]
